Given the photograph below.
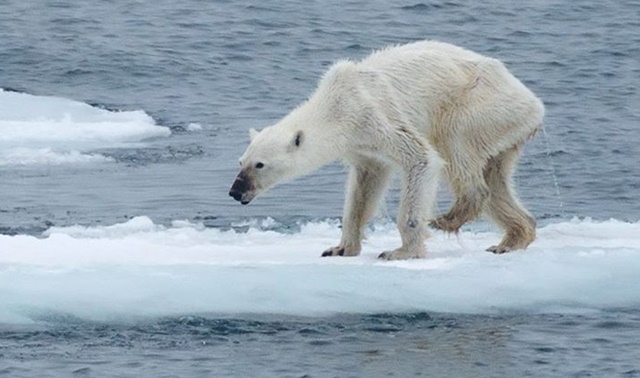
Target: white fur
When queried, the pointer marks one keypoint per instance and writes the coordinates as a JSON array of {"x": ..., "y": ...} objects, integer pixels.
[{"x": 425, "y": 108}]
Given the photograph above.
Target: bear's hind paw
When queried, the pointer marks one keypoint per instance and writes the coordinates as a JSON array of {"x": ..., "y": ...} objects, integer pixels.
[
  {"x": 510, "y": 243},
  {"x": 498, "y": 250},
  {"x": 401, "y": 254}
]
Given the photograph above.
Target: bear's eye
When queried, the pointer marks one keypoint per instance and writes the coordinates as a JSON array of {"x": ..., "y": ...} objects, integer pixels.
[
  {"x": 298, "y": 139},
  {"x": 259, "y": 165}
]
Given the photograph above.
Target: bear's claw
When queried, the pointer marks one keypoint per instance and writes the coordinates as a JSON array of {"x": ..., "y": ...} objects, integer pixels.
[
  {"x": 385, "y": 255},
  {"x": 341, "y": 251},
  {"x": 401, "y": 254},
  {"x": 498, "y": 250},
  {"x": 333, "y": 252}
]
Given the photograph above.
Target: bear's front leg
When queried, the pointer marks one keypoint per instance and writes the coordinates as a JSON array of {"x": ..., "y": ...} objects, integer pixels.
[
  {"x": 418, "y": 198},
  {"x": 368, "y": 179}
]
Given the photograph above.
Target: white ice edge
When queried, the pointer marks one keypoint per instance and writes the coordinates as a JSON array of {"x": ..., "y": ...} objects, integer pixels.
[{"x": 139, "y": 268}]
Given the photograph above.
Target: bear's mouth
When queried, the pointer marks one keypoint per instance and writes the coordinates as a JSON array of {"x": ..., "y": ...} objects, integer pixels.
[
  {"x": 242, "y": 189},
  {"x": 242, "y": 197}
]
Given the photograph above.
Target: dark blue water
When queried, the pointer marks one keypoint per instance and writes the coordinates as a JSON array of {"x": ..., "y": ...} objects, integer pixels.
[
  {"x": 411, "y": 345},
  {"x": 230, "y": 66}
]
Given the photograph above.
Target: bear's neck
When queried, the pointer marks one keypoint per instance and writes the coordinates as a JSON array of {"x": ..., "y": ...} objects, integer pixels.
[{"x": 325, "y": 135}]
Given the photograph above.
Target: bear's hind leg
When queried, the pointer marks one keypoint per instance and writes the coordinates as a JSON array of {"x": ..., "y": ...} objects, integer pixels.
[
  {"x": 366, "y": 186},
  {"x": 470, "y": 191},
  {"x": 503, "y": 206}
]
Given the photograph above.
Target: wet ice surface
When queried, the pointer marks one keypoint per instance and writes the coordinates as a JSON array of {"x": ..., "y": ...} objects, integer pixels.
[{"x": 140, "y": 268}]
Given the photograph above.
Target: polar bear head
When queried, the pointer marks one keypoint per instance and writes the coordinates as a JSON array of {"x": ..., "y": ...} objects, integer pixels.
[
  {"x": 310, "y": 136},
  {"x": 275, "y": 154}
]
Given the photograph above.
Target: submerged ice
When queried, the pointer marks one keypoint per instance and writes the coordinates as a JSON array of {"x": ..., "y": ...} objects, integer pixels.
[{"x": 140, "y": 268}]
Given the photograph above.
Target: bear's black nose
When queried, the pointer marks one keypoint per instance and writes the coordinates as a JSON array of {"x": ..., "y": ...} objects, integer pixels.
[
  {"x": 236, "y": 194},
  {"x": 240, "y": 186}
]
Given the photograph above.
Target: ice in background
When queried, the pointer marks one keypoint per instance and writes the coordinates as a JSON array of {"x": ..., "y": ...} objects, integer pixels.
[{"x": 44, "y": 130}]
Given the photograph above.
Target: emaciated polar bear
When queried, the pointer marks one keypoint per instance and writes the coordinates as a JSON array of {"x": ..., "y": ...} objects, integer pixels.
[{"x": 426, "y": 108}]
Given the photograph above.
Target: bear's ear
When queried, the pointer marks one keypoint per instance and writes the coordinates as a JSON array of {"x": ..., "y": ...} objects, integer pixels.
[
  {"x": 253, "y": 133},
  {"x": 297, "y": 140}
]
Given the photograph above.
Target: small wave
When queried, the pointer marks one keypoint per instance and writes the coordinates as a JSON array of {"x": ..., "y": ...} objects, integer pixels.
[
  {"x": 152, "y": 155},
  {"x": 423, "y": 7}
]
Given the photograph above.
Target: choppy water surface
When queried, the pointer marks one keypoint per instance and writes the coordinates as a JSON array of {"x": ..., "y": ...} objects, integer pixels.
[
  {"x": 422, "y": 345},
  {"x": 112, "y": 112}
]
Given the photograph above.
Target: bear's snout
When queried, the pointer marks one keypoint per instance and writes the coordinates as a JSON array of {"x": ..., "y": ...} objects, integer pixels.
[
  {"x": 239, "y": 188},
  {"x": 235, "y": 194}
]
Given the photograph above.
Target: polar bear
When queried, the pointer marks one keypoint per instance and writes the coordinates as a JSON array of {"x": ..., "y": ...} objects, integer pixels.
[{"x": 429, "y": 109}]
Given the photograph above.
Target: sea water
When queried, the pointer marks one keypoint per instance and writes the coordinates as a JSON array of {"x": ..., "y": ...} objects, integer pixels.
[{"x": 122, "y": 255}]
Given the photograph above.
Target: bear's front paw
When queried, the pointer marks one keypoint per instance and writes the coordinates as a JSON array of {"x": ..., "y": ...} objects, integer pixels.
[
  {"x": 341, "y": 251},
  {"x": 402, "y": 254}
]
